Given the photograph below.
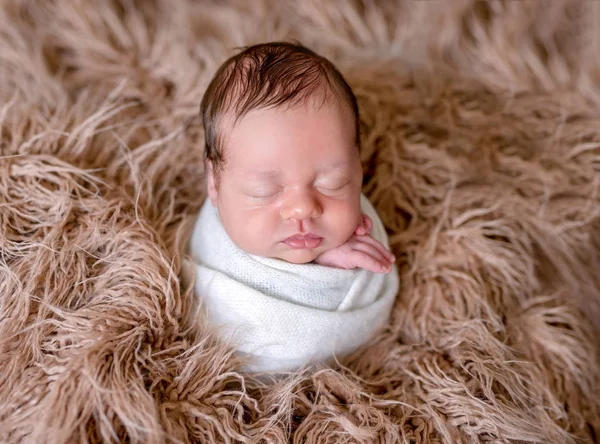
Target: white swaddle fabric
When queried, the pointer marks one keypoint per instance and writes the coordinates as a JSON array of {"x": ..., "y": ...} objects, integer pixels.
[{"x": 283, "y": 315}]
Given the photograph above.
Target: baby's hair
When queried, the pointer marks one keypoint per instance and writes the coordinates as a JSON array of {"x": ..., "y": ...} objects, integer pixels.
[{"x": 265, "y": 76}]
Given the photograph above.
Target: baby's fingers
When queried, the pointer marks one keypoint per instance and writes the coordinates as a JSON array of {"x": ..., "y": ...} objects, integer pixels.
[
  {"x": 367, "y": 223},
  {"x": 362, "y": 259},
  {"x": 371, "y": 258},
  {"x": 365, "y": 226},
  {"x": 370, "y": 240}
]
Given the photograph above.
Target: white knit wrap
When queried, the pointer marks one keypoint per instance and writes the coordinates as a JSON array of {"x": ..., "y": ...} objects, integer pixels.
[{"x": 285, "y": 315}]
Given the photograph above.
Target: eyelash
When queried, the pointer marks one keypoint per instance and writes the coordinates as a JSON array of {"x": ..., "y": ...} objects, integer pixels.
[
  {"x": 266, "y": 197},
  {"x": 331, "y": 190},
  {"x": 321, "y": 189}
]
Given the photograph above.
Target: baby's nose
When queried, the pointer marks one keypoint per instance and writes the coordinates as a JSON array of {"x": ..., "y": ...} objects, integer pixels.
[{"x": 301, "y": 207}]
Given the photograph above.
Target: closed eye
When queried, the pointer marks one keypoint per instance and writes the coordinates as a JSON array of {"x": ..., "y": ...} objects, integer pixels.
[
  {"x": 264, "y": 196},
  {"x": 333, "y": 188}
]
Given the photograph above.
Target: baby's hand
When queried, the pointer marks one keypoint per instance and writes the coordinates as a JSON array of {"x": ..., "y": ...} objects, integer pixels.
[
  {"x": 360, "y": 251},
  {"x": 364, "y": 226}
]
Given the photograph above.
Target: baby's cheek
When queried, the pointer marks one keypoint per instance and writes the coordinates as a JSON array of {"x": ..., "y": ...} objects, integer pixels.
[
  {"x": 262, "y": 229},
  {"x": 347, "y": 219},
  {"x": 245, "y": 230}
]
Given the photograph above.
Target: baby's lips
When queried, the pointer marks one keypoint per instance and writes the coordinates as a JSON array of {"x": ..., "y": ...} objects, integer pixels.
[{"x": 303, "y": 241}]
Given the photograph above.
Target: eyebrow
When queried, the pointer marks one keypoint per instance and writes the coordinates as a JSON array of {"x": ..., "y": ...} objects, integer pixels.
[
  {"x": 335, "y": 166},
  {"x": 264, "y": 174}
]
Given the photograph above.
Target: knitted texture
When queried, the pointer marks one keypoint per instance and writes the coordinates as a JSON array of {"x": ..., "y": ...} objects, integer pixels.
[{"x": 282, "y": 316}]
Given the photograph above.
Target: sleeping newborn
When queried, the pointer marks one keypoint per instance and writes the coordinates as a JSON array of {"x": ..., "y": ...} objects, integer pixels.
[{"x": 291, "y": 261}]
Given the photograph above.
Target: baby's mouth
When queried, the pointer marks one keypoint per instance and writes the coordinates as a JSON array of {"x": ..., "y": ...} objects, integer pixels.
[{"x": 300, "y": 241}]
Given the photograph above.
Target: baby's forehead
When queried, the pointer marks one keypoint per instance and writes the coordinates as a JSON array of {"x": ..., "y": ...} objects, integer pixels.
[
  {"x": 232, "y": 117},
  {"x": 271, "y": 138},
  {"x": 258, "y": 122}
]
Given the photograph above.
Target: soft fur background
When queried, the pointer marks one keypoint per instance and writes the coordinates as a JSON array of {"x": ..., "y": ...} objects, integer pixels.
[{"x": 481, "y": 130}]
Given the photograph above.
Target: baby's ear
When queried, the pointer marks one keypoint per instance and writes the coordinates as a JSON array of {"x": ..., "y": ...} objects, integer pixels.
[{"x": 211, "y": 186}]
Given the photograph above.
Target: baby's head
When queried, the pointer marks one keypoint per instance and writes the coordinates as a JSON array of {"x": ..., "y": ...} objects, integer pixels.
[{"x": 282, "y": 152}]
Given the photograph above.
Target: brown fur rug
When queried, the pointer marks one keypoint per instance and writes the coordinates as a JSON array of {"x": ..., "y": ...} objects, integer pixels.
[{"x": 481, "y": 130}]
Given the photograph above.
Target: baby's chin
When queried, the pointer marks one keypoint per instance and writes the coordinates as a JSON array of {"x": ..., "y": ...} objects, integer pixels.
[{"x": 303, "y": 256}]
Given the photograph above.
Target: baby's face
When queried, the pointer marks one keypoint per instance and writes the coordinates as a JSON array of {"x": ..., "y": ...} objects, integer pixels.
[{"x": 291, "y": 183}]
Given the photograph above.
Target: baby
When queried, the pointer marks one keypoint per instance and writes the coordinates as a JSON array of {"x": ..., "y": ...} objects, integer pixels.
[{"x": 292, "y": 262}]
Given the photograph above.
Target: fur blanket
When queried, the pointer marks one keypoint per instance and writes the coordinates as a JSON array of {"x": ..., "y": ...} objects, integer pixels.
[{"x": 481, "y": 152}]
